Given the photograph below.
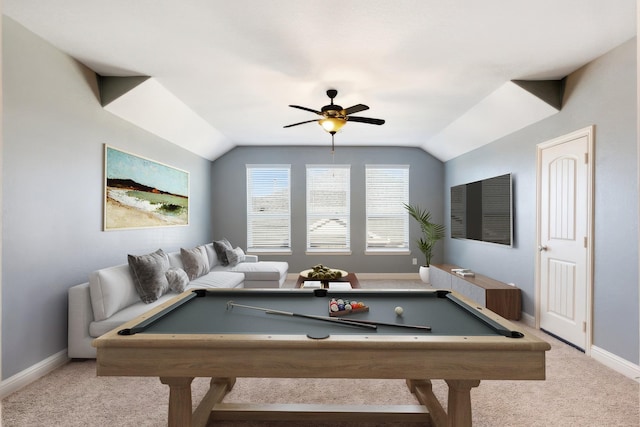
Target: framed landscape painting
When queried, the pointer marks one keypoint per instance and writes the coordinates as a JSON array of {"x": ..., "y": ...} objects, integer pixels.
[{"x": 142, "y": 193}]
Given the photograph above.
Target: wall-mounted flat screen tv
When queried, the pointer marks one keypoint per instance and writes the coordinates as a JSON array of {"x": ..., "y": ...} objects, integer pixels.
[{"x": 482, "y": 210}]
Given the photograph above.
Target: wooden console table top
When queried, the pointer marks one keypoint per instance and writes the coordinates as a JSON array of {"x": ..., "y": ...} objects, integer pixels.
[{"x": 477, "y": 279}]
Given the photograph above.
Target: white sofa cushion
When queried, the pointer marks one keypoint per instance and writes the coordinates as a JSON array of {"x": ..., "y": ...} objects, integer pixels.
[
  {"x": 103, "y": 326},
  {"x": 263, "y": 270},
  {"x": 218, "y": 279},
  {"x": 175, "y": 260},
  {"x": 251, "y": 258},
  {"x": 111, "y": 290},
  {"x": 211, "y": 253}
]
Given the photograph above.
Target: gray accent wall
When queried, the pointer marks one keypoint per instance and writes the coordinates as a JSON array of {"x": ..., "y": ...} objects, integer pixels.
[
  {"x": 602, "y": 93},
  {"x": 54, "y": 131},
  {"x": 230, "y": 213}
]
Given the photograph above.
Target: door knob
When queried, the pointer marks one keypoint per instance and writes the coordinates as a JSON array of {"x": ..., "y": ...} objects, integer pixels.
[{"x": 542, "y": 248}]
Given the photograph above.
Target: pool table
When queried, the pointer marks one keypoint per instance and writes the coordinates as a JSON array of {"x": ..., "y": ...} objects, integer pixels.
[{"x": 230, "y": 333}]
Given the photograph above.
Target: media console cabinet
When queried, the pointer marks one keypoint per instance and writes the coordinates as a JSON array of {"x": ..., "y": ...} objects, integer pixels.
[{"x": 497, "y": 296}]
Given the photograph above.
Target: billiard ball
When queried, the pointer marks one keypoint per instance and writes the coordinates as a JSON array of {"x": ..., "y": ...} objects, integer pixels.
[{"x": 399, "y": 310}]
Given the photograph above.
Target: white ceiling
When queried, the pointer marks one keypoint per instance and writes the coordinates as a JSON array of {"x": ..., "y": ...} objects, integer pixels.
[{"x": 425, "y": 66}]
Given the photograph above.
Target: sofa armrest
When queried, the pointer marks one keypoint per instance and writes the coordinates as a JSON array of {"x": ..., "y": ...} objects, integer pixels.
[
  {"x": 80, "y": 316},
  {"x": 251, "y": 258}
]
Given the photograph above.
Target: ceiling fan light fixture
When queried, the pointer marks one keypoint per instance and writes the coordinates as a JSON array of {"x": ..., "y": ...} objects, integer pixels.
[
  {"x": 334, "y": 116},
  {"x": 332, "y": 124}
]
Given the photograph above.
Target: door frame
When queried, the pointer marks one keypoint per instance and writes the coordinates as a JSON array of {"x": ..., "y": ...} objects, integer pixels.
[{"x": 589, "y": 133}]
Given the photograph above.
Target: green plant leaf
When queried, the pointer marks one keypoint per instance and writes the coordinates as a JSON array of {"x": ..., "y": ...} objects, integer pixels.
[{"x": 431, "y": 232}]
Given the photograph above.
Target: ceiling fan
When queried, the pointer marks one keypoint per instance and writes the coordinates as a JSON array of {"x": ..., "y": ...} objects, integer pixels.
[{"x": 334, "y": 117}]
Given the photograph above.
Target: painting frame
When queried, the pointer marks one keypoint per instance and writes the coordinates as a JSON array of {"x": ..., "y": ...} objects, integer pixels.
[{"x": 143, "y": 193}]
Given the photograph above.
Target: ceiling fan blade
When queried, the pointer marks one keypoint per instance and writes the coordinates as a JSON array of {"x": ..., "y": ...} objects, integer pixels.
[
  {"x": 355, "y": 109},
  {"x": 301, "y": 123},
  {"x": 365, "y": 120},
  {"x": 306, "y": 109}
]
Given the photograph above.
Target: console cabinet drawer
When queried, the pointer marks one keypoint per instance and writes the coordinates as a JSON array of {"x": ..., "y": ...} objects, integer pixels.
[
  {"x": 469, "y": 290},
  {"x": 441, "y": 277}
]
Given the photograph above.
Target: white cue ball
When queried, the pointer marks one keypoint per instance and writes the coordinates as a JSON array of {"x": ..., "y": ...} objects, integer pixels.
[{"x": 399, "y": 310}]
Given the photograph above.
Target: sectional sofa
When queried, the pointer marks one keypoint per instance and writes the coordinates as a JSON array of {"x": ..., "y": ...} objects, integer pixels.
[{"x": 117, "y": 294}]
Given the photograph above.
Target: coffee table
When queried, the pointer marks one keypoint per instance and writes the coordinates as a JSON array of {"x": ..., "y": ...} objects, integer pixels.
[{"x": 350, "y": 278}]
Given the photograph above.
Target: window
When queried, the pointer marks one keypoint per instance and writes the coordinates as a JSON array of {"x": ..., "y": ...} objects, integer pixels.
[
  {"x": 269, "y": 208},
  {"x": 328, "y": 200},
  {"x": 387, "y": 190}
]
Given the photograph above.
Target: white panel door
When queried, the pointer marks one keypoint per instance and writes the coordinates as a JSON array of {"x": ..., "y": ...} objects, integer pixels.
[{"x": 564, "y": 224}]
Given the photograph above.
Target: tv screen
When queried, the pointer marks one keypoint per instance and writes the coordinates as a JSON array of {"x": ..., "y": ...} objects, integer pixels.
[{"x": 482, "y": 210}]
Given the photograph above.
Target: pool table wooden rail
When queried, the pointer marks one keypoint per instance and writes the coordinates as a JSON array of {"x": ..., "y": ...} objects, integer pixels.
[{"x": 347, "y": 361}]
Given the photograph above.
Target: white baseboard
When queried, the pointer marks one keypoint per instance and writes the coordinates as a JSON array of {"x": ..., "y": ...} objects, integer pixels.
[
  {"x": 29, "y": 375},
  {"x": 610, "y": 360},
  {"x": 388, "y": 276},
  {"x": 528, "y": 320},
  {"x": 616, "y": 363}
]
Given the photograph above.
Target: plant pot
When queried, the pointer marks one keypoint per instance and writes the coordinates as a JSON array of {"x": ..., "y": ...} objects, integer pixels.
[{"x": 424, "y": 274}]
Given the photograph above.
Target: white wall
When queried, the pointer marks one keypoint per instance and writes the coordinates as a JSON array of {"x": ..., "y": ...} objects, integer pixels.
[{"x": 54, "y": 131}]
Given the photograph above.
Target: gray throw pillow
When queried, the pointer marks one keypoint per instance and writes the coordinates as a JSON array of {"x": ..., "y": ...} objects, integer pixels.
[
  {"x": 177, "y": 278},
  {"x": 234, "y": 256},
  {"x": 195, "y": 262},
  {"x": 148, "y": 275},
  {"x": 221, "y": 247}
]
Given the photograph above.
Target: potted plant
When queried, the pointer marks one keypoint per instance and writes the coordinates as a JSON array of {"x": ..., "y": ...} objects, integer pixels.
[{"x": 431, "y": 233}]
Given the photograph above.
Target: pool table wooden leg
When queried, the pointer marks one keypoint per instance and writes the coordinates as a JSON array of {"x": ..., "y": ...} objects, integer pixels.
[
  {"x": 179, "y": 400},
  {"x": 458, "y": 412},
  {"x": 459, "y": 405},
  {"x": 424, "y": 393},
  {"x": 218, "y": 389},
  {"x": 180, "y": 407}
]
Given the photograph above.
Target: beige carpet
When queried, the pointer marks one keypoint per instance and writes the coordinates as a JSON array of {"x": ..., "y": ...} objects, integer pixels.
[{"x": 578, "y": 392}]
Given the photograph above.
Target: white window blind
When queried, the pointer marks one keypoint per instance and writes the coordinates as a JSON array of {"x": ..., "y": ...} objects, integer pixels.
[
  {"x": 328, "y": 207},
  {"x": 268, "y": 208},
  {"x": 387, "y": 190}
]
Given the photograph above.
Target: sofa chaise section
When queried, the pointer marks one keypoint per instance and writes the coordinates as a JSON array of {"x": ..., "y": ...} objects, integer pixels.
[{"x": 110, "y": 297}]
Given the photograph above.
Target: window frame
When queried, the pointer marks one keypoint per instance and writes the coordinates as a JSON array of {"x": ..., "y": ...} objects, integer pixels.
[
  {"x": 387, "y": 250},
  {"x": 275, "y": 250},
  {"x": 345, "y": 216}
]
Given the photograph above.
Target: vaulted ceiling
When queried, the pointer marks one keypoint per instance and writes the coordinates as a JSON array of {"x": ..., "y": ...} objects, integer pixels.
[{"x": 222, "y": 73}]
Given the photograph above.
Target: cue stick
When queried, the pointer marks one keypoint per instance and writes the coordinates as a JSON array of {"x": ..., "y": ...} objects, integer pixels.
[
  {"x": 345, "y": 322},
  {"x": 400, "y": 325}
]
